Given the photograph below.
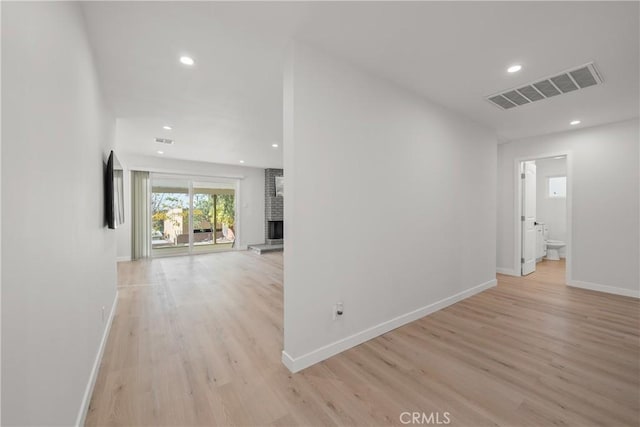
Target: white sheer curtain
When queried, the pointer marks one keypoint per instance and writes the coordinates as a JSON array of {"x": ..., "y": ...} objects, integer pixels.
[{"x": 140, "y": 214}]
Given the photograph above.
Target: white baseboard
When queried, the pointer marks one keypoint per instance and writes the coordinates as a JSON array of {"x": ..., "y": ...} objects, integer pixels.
[
  {"x": 298, "y": 363},
  {"x": 507, "y": 271},
  {"x": 635, "y": 293},
  {"x": 86, "y": 400},
  {"x": 123, "y": 258},
  {"x": 289, "y": 362}
]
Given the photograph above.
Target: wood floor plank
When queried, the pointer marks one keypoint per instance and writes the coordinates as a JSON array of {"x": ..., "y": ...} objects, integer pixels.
[{"x": 197, "y": 341}]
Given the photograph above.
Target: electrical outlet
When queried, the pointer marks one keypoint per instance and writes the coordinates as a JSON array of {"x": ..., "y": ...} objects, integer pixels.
[{"x": 338, "y": 310}]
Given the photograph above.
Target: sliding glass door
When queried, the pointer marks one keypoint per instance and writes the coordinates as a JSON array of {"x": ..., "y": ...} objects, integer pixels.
[
  {"x": 191, "y": 216},
  {"x": 213, "y": 217},
  {"x": 169, "y": 217}
]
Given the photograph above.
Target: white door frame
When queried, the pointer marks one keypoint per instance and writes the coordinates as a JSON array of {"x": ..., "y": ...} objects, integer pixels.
[{"x": 518, "y": 208}]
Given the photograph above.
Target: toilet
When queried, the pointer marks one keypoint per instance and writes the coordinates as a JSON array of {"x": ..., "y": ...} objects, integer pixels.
[{"x": 553, "y": 246}]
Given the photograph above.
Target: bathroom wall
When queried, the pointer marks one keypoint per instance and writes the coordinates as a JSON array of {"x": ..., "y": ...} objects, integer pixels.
[{"x": 551, "y": 211}]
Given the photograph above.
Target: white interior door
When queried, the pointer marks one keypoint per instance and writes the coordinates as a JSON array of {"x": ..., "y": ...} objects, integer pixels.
[{"x": 528, "y": 218}]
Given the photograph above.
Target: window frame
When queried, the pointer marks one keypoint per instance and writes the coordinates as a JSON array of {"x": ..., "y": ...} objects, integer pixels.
[{"x": 548, "y": 189}]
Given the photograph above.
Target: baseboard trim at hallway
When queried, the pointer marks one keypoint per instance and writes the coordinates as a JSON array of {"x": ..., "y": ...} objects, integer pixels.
[
  {"x": 86, "y": 400},
  {"x": 123, "y": 259},
  {"x": 507, "y": 271},
  {"x": 605, "y": 288},
  {"x": 295, "y": 364}
]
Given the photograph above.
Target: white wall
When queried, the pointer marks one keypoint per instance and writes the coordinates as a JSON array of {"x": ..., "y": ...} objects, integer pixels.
[
  {"x": 605, "y": 182},
  {"x": 58, "y": 257},
  {"x": 551, "y": 210},
  {"x": 250, "y": 229},
  {"x": 390, "y": 206}
]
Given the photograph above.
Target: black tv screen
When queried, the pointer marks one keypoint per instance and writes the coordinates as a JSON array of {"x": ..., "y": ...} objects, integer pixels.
[{"x": 114, "y": 192}]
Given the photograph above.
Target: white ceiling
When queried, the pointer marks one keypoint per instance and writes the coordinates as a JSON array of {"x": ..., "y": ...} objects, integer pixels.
[{"x": 228, "y": 106}]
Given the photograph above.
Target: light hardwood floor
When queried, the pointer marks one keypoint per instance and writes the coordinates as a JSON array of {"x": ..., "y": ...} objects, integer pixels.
[{"x": 197, "y": 341}]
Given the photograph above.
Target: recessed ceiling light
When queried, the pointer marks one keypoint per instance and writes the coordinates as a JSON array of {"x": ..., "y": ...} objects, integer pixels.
[
  {"x": 274, "y": 145},
  {"x": 160, "y": 152},
  {"x": 241, "y": 161},
  {"x": 187, "y": 60},
  {"x": 165, "y": 127},
  {"x": 575, "y": 122},
  {"x": 514, "y": 68}
]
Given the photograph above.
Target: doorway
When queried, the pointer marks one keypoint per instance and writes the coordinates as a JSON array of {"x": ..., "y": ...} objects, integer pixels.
[
  {"x": 191, "y": 216},
  {"x": 544, "y": 216}
]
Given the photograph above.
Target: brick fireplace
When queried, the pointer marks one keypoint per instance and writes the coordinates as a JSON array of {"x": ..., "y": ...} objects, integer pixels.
[{"x": 273, "y": 209}]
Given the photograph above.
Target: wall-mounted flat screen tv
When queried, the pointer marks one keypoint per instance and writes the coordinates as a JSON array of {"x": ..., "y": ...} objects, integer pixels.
[{"x": 114, "y": 192}]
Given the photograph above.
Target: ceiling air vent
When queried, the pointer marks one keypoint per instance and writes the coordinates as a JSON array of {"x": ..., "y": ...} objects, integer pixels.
[
  {"x": 164, "y": 141},
  {"x": 567, "y": 81}
]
